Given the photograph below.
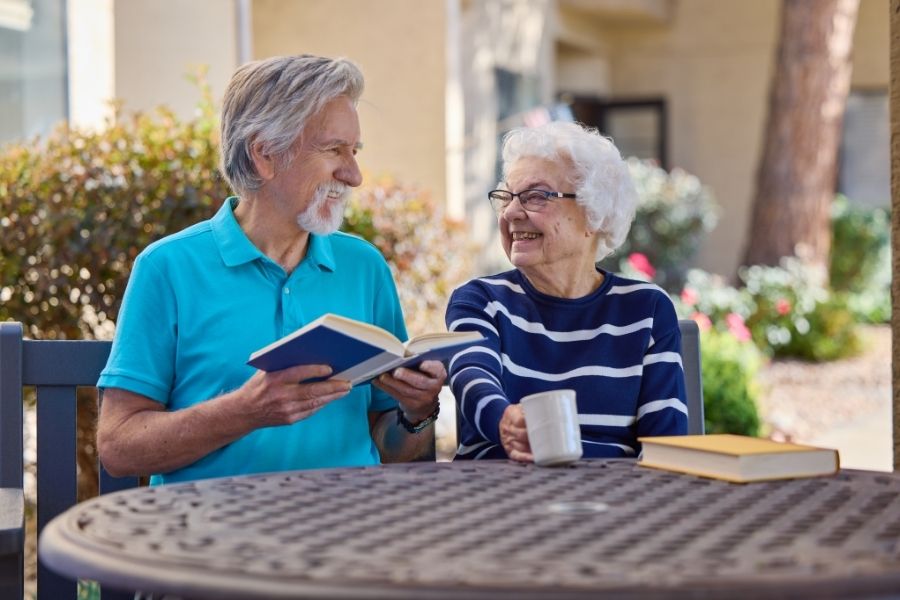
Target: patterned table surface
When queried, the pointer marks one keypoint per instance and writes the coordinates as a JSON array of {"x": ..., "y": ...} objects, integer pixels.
[{"x": 489, "y": 530}]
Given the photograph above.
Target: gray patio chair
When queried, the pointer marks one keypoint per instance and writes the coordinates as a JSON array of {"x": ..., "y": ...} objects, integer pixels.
[{"x": 56, "y": 369}]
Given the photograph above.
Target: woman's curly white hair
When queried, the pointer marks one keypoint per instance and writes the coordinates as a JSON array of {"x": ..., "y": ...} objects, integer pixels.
[{"x": 602, "y": 181}]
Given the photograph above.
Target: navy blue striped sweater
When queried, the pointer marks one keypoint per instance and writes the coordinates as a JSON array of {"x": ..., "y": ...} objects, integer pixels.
[{"x": 617, "y": 347}]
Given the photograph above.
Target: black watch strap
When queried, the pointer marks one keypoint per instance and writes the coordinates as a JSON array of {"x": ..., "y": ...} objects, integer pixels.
[{"x": 417, "y": 427}]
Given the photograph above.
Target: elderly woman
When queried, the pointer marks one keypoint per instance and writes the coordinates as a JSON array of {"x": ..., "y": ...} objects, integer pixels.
[{"x": 556, "y": 320}]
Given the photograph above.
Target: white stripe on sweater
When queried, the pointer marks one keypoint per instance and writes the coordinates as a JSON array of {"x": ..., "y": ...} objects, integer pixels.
[
  {"x": 471, "y": 350},
  {"x": 503, "y": 282},
  {"x": 669, "y": 357},
  {"x": 577, "y": 335},
  {"x": 607, "y": 420},
  {"x": 658, "y": 405},
  {"x": 597, "y": 371},
  {"x": 473, "y": 321}
]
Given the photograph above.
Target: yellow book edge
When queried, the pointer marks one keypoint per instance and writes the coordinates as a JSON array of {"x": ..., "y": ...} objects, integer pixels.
[{"x": 721, "y": 477}]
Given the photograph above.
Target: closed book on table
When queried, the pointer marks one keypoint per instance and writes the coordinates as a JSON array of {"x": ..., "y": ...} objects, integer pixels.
[
  {"x": 737, "y": 458},
  {"x": 357, "y": 351}
]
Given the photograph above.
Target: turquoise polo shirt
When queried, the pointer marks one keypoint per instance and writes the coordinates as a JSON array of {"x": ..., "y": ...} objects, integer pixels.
[{"x": 200, "y": 301}]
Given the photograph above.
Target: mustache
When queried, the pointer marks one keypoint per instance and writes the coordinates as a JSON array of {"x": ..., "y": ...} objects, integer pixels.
[{"x": 327, "y": 189}]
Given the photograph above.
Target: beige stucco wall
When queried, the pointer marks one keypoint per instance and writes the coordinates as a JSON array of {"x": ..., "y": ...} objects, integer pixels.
[
  {"x": 400, "y": 46},
  {"x": 712, "y": 62},
  {"x": 157, "y": 43}
]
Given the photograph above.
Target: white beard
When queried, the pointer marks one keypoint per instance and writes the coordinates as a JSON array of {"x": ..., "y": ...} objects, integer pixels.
[{"x": 324, "y": 215}]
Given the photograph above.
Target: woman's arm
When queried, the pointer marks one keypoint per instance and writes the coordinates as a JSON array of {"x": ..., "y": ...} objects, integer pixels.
[{"x": 662, "y": 404}]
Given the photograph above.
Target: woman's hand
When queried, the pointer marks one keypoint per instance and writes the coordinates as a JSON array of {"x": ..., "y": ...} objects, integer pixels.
[{"x": 514, "y": 435}]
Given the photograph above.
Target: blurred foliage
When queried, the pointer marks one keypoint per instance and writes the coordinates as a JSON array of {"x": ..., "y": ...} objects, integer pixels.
[
  {"x": 429, "y": 254},
  {"x": 786, "y": 310},
  {"x": 861, "y": 258},
  {"x": 78, "y": 206},
  {"x": 795, "y": 315},
  {"x": 730, "y": 391},
  {"x": 674, "y": 212}
]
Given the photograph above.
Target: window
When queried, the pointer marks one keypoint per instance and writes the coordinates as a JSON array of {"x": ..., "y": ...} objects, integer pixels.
[
  {"x": 32, "y": 67},
  {"x": 864, "y": 172},
  {"x": 638, "y": 127}
]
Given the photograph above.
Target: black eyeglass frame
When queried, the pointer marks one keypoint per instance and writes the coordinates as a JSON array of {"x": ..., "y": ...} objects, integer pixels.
[{"x": 500, "y": 204}]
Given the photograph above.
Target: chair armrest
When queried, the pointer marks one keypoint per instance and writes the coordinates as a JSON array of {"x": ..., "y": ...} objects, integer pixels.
[{"x": 12, "y": 521}]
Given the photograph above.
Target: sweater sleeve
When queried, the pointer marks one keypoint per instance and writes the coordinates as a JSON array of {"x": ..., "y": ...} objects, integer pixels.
[
  {"x": 662, "y": 404},
  {"x": 476, "y": 373}
]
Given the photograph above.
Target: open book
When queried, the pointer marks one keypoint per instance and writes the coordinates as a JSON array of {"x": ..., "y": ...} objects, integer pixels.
[
  {"x": 737, "y": 458},
  {"x": 357, "y": 351}
]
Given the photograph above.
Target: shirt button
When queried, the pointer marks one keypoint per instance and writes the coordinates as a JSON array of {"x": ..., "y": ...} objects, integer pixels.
[{"x": 287, "y": 290}]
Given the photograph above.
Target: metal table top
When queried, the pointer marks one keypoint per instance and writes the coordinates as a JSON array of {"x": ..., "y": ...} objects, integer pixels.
[{"x": 491, "y": 529}]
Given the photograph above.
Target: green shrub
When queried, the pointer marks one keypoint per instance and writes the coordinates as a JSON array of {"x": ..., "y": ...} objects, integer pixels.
[
  {"x": 858, "y": 237},
  {"x": 730, "y": 392},
  {"x": 78, "y": 206},
  {"x": 429, "y": 254},
  {"x": 674, "y": 212},
  {"x": 796, "y": 316},
  {"x": 860, "y": 267}
]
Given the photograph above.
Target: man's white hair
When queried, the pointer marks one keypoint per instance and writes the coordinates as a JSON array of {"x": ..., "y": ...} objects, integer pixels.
[
  {"x": 601, "y": 178},
  {"x": 269, "y": 101}
]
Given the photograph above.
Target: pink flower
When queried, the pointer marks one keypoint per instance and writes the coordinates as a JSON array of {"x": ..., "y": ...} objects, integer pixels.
[
  {"x": 736, "y": 326},
  {"x": 702, "y": 321},
  {"x": 689, "y": 296},
  {"x": 641, "y": 264},
  {"x": 783, "y": 306}
]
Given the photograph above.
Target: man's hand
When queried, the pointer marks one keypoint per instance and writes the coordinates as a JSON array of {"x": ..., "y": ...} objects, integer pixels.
[
  {"x": 285, "y": 397},
  {"x": 415, "y": 390},
  {"x": 514, "y": 435}
]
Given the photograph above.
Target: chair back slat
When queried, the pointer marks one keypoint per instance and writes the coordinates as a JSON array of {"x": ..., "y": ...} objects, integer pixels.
[
  {"x": 56, "y": 369},
  {"x": 693, "y": 375},
  {"x": 57, "y": 481},
  {"x": 68, "y": 362},
  {"x": 11, "y": 472}
]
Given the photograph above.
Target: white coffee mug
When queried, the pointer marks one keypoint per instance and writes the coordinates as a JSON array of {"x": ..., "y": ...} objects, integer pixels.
[{"x": 552, "y": 422}]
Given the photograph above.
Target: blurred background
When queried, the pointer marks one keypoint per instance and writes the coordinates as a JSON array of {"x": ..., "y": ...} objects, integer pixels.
[{"x": 757, "y": 133}]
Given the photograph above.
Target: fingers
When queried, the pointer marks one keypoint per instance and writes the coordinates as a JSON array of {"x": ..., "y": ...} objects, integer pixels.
[
  {"x": 514, "y": 434},
  {"x": 284, "y": 397},
  {"x": 520, "y": 456},
  {"x": 435, "y": 368},
  {"x": 304, "y": 372}
]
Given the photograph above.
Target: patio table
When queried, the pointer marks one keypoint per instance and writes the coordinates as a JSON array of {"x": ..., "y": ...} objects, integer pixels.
[{"x": 492, "y": 529}]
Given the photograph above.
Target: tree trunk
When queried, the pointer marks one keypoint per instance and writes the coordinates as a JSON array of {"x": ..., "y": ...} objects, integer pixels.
[
  {"x": 895, "y": 222},
  {"x": 798, "y": 167}
]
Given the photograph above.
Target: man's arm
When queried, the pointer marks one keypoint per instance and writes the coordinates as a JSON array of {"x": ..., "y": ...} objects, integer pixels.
[
  {"x": 138, "y": 436},
  {"x": 417, "y": 393}
]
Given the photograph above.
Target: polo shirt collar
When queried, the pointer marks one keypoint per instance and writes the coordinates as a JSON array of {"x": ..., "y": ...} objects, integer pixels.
[{"x": 237, "y": 249}]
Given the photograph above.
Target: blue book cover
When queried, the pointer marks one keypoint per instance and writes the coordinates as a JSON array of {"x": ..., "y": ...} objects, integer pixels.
[{"x": 356, "y": 351}]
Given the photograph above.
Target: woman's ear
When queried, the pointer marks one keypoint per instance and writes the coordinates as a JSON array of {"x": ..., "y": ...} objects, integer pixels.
[{"x": 263, "y": 162}]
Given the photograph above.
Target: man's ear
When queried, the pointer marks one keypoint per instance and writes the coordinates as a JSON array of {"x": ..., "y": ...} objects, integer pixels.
[{"x": 263, "y": 162}]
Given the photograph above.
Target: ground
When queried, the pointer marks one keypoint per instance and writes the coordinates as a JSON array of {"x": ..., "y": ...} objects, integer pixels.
[{"x": 844, "y": 404}]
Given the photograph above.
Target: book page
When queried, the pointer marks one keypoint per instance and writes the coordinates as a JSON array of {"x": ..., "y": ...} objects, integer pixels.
[
  {"x": 429, "y": 341},
  {"x": 366, "y": 332}
]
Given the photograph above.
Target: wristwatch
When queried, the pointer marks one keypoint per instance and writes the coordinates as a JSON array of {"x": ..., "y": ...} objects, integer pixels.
[{"x": 417, "y": 427}]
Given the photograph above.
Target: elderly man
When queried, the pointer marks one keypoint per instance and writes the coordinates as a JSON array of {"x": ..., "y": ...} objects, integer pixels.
[{"x": 179, "y": 400}]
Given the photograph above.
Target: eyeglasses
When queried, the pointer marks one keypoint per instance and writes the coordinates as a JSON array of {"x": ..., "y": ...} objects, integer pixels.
[{"x": 531, "y": 200}]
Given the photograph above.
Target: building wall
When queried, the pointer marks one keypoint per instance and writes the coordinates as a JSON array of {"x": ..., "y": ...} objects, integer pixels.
[
  {"x": 400, "y": 47},
  {"x": 158, "y": 43},
  {"x": 712, "y": 62},
  {"x": 140, "y": 53}
]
